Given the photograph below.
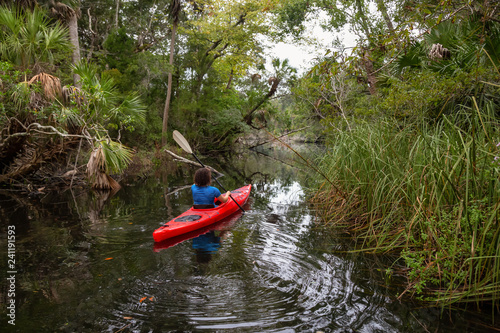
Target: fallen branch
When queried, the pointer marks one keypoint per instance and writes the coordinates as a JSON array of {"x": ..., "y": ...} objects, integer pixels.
[
  {"x": 185, "y": 160},
  {"x": 36, "y": 127},
  {"x": 53, "y": 130}
]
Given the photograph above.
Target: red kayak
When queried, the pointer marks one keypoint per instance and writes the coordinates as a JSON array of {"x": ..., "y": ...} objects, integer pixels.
[
  {"x": 223, "y": 225},
  {"x": 193, "y": 219}
]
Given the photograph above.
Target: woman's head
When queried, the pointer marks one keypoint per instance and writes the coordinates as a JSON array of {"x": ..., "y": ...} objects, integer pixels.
[{"x": 203, "y": 177}]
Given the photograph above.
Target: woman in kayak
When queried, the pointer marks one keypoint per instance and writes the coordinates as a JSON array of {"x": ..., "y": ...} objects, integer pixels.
[{"x": 204, "y": 195}]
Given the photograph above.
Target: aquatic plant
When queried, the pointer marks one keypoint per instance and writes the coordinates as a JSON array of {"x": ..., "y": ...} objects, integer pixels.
[{"x": 430, "y": 192}]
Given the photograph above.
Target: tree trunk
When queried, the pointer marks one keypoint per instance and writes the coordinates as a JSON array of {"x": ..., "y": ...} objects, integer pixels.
[
  {"x": 116, "y": 13},
  {"x": 383, "y": 10},
  {"x": 73, "y": 36},
  {"x": 275, "y": 82},
  {"x": 169, "y": 88},
  {"x": 371, "y": 78},
  {"x": 230, "y": 79},
  {"x": 364, "y": 20}
]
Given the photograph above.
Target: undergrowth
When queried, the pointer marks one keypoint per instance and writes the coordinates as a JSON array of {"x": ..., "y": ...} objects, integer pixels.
[{"x": 429, "y": 192}]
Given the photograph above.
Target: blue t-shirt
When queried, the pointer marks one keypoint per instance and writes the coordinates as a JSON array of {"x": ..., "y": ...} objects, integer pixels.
[{"x": 204, "y": 195}]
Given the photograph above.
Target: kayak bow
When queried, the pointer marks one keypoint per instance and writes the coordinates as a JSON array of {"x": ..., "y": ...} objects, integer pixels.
[{"x": 193, "y": 219}]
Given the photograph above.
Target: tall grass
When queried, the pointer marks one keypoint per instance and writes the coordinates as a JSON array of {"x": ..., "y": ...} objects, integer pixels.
[{"x": 430, "y": 192}]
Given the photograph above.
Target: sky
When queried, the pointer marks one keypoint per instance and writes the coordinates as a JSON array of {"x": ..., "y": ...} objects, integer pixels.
[{"x": 300, "y": 56}]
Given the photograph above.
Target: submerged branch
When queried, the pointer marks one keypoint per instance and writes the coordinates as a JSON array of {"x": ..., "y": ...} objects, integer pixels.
[{"x": 178, "y": 189}]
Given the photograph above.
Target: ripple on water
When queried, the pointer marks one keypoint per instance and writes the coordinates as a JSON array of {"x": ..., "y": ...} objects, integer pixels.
[{"x": 265, "y": 282}]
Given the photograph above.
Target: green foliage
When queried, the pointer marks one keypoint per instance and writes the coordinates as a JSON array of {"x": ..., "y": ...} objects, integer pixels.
[
  {"x": 9, "y": 103},
  {"x": 465, "y": 41},
  {"x": 425, "y": 94},
  {"x": 429, "y": 88},
  {"x": 330, "y": 93},
  {"x": 292, "y": 17},
  {"x": 119, "y": 49},
  {"x": 116, "y": 157},
  {"x": 29, "y": 38},
  {"x": 411, "y": 59},
  {"x": 453, "y": 244},
  {"x": 211, "y": 122},
  {"x": 104, "y": 104},
  {"x": 218, "y": 44}
]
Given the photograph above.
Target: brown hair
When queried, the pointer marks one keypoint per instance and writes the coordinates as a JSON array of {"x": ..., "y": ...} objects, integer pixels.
[{"x": 203, "y": 177}]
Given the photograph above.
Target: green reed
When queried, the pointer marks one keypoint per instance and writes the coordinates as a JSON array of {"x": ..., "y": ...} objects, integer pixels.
[{"x": 430, "y": 192}]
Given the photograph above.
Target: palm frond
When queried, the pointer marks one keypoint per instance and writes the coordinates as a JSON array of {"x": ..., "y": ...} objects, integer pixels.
[
  {"x": 132, "y": 107},
  {"x": 9, "y": 19},
  {"x": 86, "y": 71},
  {"x": 51, "y": 85},
  {"x": 55, "y": 38},
  {"x": 116, "y": 156},
  {"x": 412, "y": 58},
  {"x": 109, "y": 157},
  {"x": 28, "y": 37},
  {"x": 106, "y": 102}
]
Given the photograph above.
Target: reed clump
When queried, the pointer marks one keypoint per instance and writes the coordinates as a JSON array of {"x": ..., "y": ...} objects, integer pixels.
[{"x": 429, "y": 192}]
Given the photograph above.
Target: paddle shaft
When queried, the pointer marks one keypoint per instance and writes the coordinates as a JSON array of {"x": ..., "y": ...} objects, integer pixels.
[{"x": 222, "y": 187}]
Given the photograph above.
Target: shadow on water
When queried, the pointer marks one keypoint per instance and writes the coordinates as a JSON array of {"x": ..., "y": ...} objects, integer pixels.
[{"x": 88, "y": 263}]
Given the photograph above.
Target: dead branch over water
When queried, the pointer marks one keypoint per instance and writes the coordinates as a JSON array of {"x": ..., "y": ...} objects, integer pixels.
[{"x": 185, "y": 160}]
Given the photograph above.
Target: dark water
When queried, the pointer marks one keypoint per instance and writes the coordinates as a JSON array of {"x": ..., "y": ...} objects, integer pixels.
[{"x": 88, "y": 263}]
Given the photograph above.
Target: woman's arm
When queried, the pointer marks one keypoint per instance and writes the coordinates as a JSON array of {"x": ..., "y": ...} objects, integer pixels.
[{"x": 224, "y": 197}]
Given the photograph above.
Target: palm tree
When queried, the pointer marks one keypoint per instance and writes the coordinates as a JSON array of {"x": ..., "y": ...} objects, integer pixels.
[
  {"x": 27, "y": 38},
  {"x": 104, "y": 107},
  {"x": 175, "y": 10},
  {"x": 461, "y": 47},
  {"x": 69, "y": 16},
  {"x": 64, "y": 13}
]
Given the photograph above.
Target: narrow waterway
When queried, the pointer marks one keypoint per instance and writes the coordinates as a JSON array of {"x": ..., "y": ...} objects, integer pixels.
[{"x": 86, "y": 262}]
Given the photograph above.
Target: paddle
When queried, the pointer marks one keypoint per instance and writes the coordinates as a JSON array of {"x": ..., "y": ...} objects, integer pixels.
[{"x": 181, "y": 141}]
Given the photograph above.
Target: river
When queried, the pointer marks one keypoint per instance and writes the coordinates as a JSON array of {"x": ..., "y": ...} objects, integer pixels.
[{"x": 87, "y": 263}]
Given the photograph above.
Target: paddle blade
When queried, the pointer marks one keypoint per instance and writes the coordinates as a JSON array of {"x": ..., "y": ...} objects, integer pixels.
[{"x": 181, "y": 141}]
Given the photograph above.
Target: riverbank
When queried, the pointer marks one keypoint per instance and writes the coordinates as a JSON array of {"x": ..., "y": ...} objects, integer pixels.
[{"x": 428, "y": 193}]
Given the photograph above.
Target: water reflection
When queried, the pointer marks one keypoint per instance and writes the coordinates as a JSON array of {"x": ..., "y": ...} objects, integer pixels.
[
  {"x": 92, "y": 266},
  {"x": 207, "y": 244}
]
